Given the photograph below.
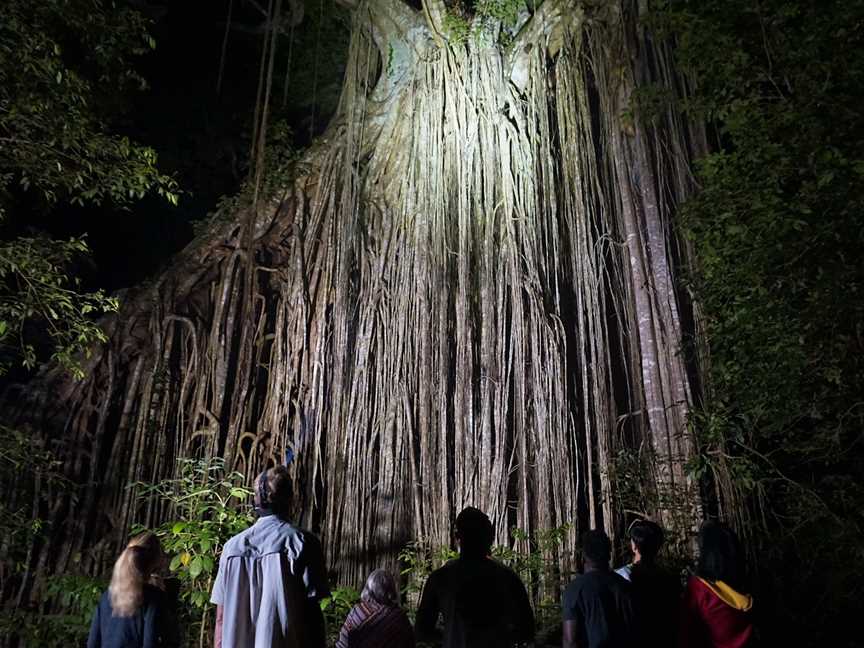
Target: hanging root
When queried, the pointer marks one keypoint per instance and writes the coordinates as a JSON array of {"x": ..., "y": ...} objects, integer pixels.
[{"x": 469, "y": 281}]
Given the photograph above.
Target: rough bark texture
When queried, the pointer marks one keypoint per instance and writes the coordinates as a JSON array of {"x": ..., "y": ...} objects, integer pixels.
[{"x": 466, "y": 295}]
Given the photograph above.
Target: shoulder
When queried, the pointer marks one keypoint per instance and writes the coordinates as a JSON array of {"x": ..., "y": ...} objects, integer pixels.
[
  {"x": 696, "y": 590},
  {"x": 270, "y": 535},
  {"x": 104, "y": 605},
  {"x": 451, "y": 566},
  {"x": 617, "y": 580},
  {"x": 155, "y": 596},
  {"x": 236, "y": 545},
  {"x": 356, "y": 615},
  {"x": 625, "y": 571},
  {"x": 308, "y": 539},
  {"x": 694, "y": 584},
  {"x": 441, "y": 575},
  {"x": 300, "y": 543},
  {"x": 437, "y": 575},
  {"x": 573, "y": 600},
  {"x": 575, "y": 587},
  {"x": 510, "y": 576}
]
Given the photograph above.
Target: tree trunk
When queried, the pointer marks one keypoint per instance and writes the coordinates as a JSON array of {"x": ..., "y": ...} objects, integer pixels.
[{"x": 464, "y": 295}]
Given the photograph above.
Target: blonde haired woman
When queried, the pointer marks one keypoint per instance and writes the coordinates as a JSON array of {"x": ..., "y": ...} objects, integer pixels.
[{"x": 134, "y": 611}]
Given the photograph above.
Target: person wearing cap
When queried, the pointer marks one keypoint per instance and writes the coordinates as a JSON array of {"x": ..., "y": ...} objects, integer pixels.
[
  {"x": 483, "y": 603},
  {"x": 271, "y": 577}
]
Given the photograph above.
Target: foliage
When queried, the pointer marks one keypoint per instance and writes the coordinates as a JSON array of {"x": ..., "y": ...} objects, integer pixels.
[
  {"x": 21, "y": 461},
  {"x": 206, "y": 506},
  {"x": 37, "y": 286},
  {"x": 60, "y": 64},
  {"x": 456, "y": 27},
  {"x": 280, "y": 155},
  {"x": 75, "y": 596},
  {"x": 336, "y": 607},
  {"x": 778, "y": 233},
  {"x": 632, "y": 493},
  {"x": 63, "y": 65},
  {"x": 536, "y": 559},
  {"x": 486, "y": 22},
  {"x": 505, "y": 12},
  {"x": 26, "y": 464},
  {"x": 420, "y": 558}
]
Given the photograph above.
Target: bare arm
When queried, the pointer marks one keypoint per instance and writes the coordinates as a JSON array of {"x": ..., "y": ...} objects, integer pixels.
[
  {"x": 570, "y": 635},
  {"x": 217, "y": 634}
]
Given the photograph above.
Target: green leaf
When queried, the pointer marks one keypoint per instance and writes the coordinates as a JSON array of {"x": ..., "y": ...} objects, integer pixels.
[{"x": 195, "y": 567}]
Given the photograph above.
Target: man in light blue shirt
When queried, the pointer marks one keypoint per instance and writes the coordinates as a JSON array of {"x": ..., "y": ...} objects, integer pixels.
[{"x": 271, "y": 578}]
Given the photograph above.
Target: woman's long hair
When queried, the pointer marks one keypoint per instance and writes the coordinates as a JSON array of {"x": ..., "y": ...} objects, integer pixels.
[
  {"x": 721, "y": 557},
  {"x": 131, "y": 572}
]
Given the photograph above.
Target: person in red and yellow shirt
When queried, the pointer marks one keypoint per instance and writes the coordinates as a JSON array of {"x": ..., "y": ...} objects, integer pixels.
[{"x": 716, "y": 611}]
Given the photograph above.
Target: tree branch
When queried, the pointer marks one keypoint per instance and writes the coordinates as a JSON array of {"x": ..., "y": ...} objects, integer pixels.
[
  {"x": 435, "y": 11},
  {"x": 294, "y": 17},
  {"x": 543, "y": 29}
]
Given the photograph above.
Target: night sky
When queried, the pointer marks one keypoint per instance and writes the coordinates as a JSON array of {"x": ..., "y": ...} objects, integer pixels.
[{"x": 201, "y": 137}]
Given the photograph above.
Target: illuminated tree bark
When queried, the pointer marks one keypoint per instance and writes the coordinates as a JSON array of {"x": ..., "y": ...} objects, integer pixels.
[{"x": 466, "y": 293}]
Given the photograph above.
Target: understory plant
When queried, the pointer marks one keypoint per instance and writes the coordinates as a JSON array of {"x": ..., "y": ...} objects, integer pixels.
[
  {"x": 73, "y": 600},
  {"x": 61, "y": 615},
  {"x": 206, "y": 505}
]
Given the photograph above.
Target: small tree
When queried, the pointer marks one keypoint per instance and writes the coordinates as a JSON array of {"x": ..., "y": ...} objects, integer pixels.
[{"x": 206, "y": 506}]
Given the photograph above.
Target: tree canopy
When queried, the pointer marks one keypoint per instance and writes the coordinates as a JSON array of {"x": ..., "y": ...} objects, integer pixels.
[
  {"x": 65, "y": 67},
  {"x": 778, "y": 234}
]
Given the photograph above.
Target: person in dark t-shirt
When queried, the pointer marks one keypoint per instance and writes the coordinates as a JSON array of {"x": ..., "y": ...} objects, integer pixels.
[
  {"x": 597, "y": 606},
  {"x": 484, "y": 604}
]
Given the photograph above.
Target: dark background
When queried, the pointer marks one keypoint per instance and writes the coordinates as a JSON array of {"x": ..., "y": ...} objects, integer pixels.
[{"x": 202, "y": 138}]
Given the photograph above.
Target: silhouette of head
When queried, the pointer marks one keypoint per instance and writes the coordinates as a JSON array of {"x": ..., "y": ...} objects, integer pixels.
[
  {"x": 474, "y": 532},
  {"x": 597, "y": 548},
  {"x": 647, "y": 536},
  {"x": 273, "y": 490},
  {"x": 721, "y": 557}
]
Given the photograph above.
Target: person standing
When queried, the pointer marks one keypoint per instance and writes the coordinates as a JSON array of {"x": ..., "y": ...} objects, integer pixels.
[
  {"x": 377, "y": 621},
  {"x": 646, "y": 539},
  {"x": 656, "y": 592},
  {"x": 135, "y": 612},
  {"x": 597, "y": 608},
  {"x": 483, "y": 603},
  {"x": 271, "y": 577},
  {"x": 717, "y": 612}
]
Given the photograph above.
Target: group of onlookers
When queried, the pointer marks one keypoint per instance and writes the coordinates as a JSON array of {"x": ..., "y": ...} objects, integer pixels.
[
  {"x": 642, "y": 603},
  {"x": 271, "y": 578}
]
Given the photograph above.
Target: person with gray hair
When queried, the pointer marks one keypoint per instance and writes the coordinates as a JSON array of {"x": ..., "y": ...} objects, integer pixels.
[
  {"x": 271, "y": 577},
  {"x": 377, "y": 620}
]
